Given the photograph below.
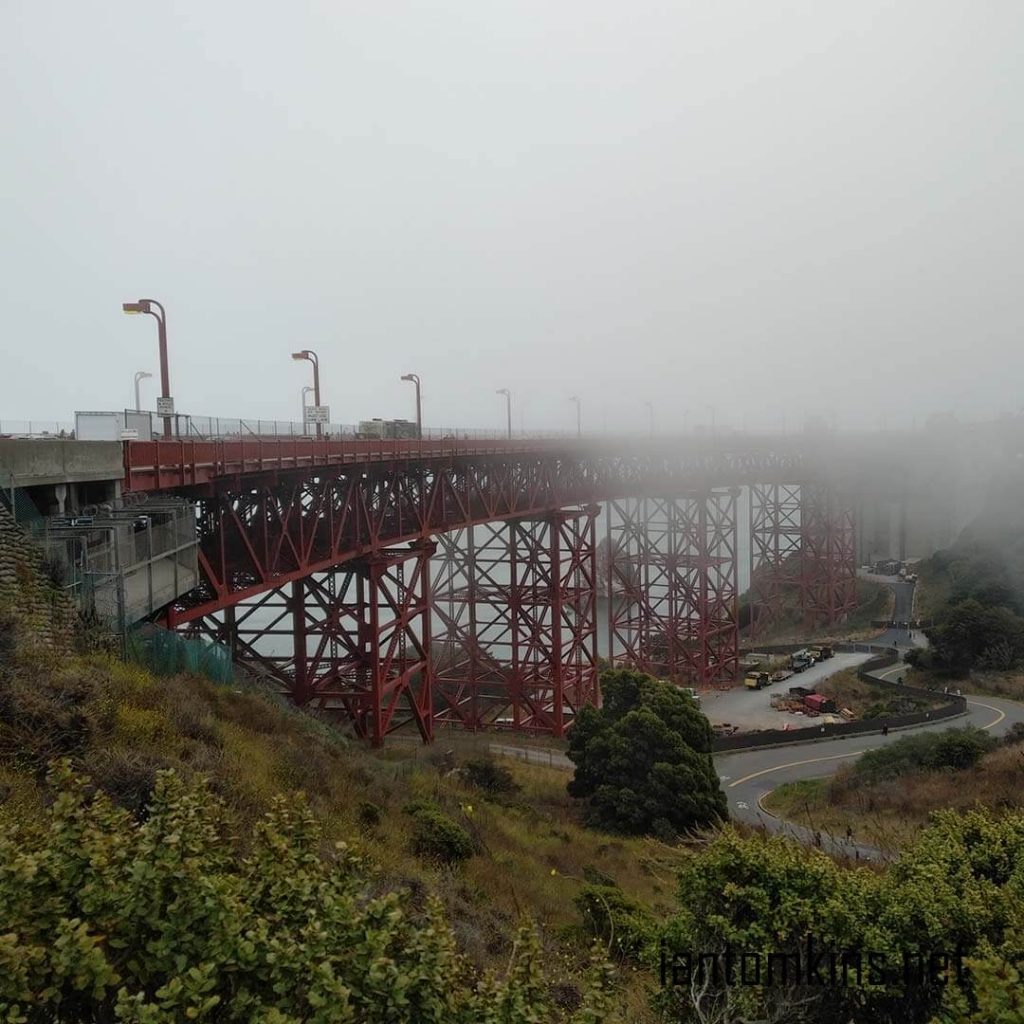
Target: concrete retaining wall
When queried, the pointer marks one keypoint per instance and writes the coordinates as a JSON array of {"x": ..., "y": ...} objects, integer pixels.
[{"x": 34, "y": 462}]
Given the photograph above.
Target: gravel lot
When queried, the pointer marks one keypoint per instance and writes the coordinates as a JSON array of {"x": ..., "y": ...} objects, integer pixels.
[{"x": 751, "y": 709}]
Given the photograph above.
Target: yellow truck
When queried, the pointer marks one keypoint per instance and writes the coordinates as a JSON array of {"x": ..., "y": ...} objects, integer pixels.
[{"x": 757, "y": 680}]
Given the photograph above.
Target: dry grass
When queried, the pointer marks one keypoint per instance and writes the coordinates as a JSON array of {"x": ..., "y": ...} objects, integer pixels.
[
  {"x": 534, "y": 853},
  {"x": 888, "y": 814}
]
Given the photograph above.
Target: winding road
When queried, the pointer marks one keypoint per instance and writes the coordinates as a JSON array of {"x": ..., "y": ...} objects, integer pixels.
[{"x": 748, "y": 776}]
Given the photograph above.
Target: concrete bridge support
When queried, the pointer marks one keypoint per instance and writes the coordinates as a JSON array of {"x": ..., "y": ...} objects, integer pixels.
[
  {"x": 673, "y": 586},
  {"x": 515, "y": 603}
]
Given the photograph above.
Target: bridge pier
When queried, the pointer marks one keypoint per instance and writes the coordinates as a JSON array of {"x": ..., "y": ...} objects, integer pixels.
[
  {"x": 672, "y": 586},
  {"x": 354, "y": 641},
  {"x": 517, "y": 639},
  {"x": 776, "y": 543},
  {"x": 828, "y": 574},
  {"x": 802, "y": 541}
]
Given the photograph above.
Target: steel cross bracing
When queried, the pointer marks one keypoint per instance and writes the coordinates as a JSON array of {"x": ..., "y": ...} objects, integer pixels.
[
  {"x": 515, "y": 604},
  {"x": 359, "y": 639},
  {"x": 672, "y": 589},
  {"x": 304, "y": 544},
  {"x": 776, "y": 543},
  {"x": 828, "y": 571}
]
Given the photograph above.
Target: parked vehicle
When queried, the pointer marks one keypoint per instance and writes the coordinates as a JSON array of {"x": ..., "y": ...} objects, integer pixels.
[
  {"x": 799, "y": 660},
  {"x": 757, "y": 680},
  {"x": 822, "y": 652}
]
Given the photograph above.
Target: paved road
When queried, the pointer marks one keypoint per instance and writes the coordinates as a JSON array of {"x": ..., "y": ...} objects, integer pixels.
[{"x": 748, "y": 776}]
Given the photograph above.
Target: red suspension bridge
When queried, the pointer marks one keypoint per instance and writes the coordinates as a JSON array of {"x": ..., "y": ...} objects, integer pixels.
[{"x": 455, "y": 582}]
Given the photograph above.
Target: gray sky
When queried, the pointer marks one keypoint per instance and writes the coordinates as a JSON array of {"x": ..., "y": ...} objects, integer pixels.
[{"x": 775, "y": 207}]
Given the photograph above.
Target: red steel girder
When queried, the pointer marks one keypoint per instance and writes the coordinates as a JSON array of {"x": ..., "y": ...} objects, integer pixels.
[
  {"x": 516, "y": 607},
  {"x": 673, "y": 586},
  {"x": 776, "y": 543},
  {"x": 828, "y": 574},
  {"x": 353, "y": 642}
]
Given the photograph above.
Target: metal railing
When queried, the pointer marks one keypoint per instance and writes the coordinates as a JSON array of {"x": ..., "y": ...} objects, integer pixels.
[
  {"x": 209, "y": 428},
  {"x": 36, "y": 428}
]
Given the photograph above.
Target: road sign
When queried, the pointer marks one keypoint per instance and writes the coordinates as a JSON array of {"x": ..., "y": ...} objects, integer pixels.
[
  {"x": 318, "y": 414},
  {"x": 165, "y": 406}
]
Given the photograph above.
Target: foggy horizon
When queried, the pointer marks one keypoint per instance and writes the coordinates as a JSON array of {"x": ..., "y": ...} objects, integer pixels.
[{"x": 806, "y": 211}]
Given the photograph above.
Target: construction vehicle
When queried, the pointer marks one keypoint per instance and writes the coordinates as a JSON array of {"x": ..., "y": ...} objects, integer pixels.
[
  {"x": 799, "y": 660},
  {"x": 821, "y": 653},
  {"x": 755, "y": 680}
]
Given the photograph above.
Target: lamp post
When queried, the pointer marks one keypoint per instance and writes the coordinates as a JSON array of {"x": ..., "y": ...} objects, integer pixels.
[
  {"x": 650, "y": 413},
  {"x": 310, "y": 356},
  {"x": 419, "y": 408},
  {"x": 508, "y": 407},
  {"x": 305, "y": 391},
  {"x": 579, "y": 420},
  {"x": 139, "y": 375},
  {"x": 160, "y": 314}
]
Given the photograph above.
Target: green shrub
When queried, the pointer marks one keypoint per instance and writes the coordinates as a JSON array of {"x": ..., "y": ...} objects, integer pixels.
[
  {"x": 617, "y": 920},
  {"x": 952, "y": 749},
  {"x": 369, "y": 814},
  {"x": 487, "y": 774},
  {"x": 436, "y": 837},
  {"x": 105, "y": 918}
]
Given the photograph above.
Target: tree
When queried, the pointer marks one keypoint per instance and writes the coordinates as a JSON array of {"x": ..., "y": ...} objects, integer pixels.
[
  {"x": 643, "y": 760},
  {"x": 970, "y": 633}
]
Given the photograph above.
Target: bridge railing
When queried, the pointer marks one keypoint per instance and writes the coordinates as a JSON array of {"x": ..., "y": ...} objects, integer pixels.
[{"x": 209, "y": 428}]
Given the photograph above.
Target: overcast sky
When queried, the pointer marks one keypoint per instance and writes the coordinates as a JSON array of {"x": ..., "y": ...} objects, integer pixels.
[{"x": 778, "y": 208}]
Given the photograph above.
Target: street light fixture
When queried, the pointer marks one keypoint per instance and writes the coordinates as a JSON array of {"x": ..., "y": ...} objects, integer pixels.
[
  {"x": 140, "y": 375},
  {"x": 310, "y": 356},
  {"x": 160, "y": 314},
  {"x": 579, "y": 420},
  {"x": 419, "y": 408},
  {"x": 508, "y": 407}
]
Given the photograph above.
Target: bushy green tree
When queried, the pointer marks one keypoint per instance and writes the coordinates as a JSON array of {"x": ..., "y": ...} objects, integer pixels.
[
  {"x": 643, "y": 760},
  {"x": 104, "y": 918},
  {"x": 972, "y": 635},
  {"x": 958, "y": 887}
]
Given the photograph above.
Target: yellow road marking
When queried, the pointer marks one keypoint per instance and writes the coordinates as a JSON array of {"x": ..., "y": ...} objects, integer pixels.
[
  {"x": 794, "y": 764},
  {"x": 1000, "y": 715}
]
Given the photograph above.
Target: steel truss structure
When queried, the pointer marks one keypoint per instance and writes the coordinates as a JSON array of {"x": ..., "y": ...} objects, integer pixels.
[
  {"x": 516, "y": 607},
  {"x": 828, "y": 578},
  {"x": 776, "y": 547},
  {"x": 673, "y": 586},
  {"x": 358, "y": 640}
]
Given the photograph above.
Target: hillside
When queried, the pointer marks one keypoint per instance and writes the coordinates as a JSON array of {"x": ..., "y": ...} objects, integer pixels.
[{"x": 528, "y": 855}]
